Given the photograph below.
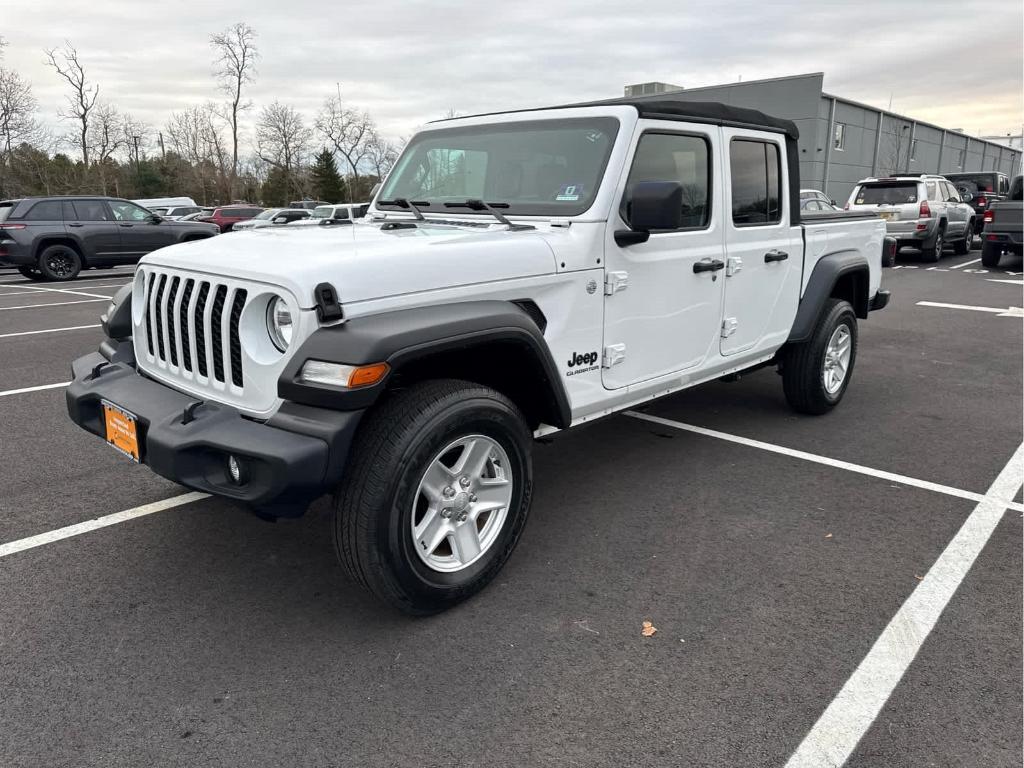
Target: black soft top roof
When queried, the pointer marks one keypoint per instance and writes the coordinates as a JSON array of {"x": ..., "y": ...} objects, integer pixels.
[{"x": 712, "y": 112}]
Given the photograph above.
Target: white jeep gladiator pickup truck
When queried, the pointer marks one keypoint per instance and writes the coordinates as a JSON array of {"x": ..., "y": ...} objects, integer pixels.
[{"x": 518, "y": 274}]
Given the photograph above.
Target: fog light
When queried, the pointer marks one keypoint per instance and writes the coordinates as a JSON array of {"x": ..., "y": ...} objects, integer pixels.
[{"x": 237, "y": 470}]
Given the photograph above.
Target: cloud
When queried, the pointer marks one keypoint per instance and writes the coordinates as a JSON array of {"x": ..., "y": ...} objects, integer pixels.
[{"x": 410, "y": 62}]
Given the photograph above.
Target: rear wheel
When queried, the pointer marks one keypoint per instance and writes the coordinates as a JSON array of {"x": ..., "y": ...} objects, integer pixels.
[
  {"x": 436, "y": 495},
  {"x": 60, "y": 262},
  {"x": 31, "y": 273},
  {"x": 933, "y": 252},
  {"x": 815, "y": 374},
  {"x": 991, "y": 253}
]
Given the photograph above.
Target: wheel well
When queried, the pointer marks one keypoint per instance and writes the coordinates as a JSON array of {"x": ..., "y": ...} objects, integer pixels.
[
  {"x": 46, "y": 242},
  {"x": 190, "y": 238},
  {"x": 510, "y": 367},
  {"x": 852, "y": 286}
]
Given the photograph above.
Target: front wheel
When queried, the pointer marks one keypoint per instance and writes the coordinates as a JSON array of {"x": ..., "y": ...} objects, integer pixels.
[
  {"x": 816, "y": 373},
  {"x": 436, "y": 495},
  {"x": 963, "y": 247}
]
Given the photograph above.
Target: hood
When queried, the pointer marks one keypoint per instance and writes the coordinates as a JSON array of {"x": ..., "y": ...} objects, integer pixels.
[{"x": 363, "y": 261}]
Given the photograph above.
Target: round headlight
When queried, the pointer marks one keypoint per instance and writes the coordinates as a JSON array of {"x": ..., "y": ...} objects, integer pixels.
[{"x": 279, "y": 323}]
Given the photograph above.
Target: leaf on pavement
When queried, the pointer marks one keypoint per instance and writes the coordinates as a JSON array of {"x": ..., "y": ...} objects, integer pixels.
[{"x": 648, "y": 629}]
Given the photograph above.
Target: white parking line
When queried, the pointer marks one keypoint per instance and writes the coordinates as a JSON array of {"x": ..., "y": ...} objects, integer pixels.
[
  {"x": 839, "y": 729},
  {"x": 17, "y": 290},
  {"x": 55, "y": 304},
  {"x": 1002, "y": 312},
  {"x": 25, "y": 390},
  {"x": 69, "y": 291},
  {"x": 100, "y": 522},
  {"x": 881, "y": 474},
  {"x": 965, "y": 264},
  {"x": 48, "y": 330}
]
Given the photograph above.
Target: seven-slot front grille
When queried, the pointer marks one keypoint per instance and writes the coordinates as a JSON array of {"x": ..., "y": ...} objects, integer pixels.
[{"x": 192, "y": 325}]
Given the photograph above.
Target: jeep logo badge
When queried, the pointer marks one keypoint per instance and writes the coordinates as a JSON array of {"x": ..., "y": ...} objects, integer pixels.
[{"x": 586, "y": 359}]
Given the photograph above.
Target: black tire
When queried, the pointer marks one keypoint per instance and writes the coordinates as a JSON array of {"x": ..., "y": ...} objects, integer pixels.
[
  {"x": 933, "y": 252},
  {"x": 991, "y": 253},
  {"x": 375, "y": 503},
  {"x": 31, "y": 273},
  {"x": 963, "y": 246},
  {"x": 60, "y": 262},
  {"x": 803, "y": 364}
]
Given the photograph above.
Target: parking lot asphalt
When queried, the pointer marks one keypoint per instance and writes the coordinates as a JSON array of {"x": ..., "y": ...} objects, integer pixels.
[{"x": 201, "y": 635}]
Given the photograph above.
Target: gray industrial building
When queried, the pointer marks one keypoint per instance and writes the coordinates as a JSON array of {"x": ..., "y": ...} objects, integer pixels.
[{"x": 843, "y": 141}]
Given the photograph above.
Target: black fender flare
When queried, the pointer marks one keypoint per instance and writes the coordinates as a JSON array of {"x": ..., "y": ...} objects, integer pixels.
[
  {"x": 406, "y": 336},
  {"x": 826, "y": 273}
]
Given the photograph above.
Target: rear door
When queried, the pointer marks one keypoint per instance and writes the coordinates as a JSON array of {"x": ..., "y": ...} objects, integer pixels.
[
  {"x": 92, "y": 224},
  {"x": 957, "y": 212},
  {"x": 662, "y": 316},
  {"x": 764, "y": 251}
]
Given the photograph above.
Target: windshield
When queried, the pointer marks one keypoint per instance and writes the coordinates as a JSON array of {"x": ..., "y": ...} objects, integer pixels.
[
  {"x": 268, "y": 214},
  {"x": 322, "y": 212},
  {"x": 981, "y": 182},
  {"x": 542, "y": 168},
  {"x": 887, "y": 194}
]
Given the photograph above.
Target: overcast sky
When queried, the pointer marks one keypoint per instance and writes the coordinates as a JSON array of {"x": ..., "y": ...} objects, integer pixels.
[{"x": 958, "y": 64}]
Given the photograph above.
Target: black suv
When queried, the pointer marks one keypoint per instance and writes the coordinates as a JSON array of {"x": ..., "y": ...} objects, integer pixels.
[
  {"x": 980, "y": 189},
  {"x": 54, "y": 238}
]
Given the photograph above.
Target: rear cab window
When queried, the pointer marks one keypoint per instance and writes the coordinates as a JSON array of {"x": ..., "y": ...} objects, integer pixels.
[
  {"x": 887, "y": 193},
  {"x": 756, "y": 182}
]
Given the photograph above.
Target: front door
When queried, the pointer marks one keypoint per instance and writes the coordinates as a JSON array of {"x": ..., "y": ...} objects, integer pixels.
[
  {"x": 92, "y": 224},
  {"x": 765, "y": 252},
  {"x": 663, "y": 297},
  {"x": 140, "y": 232}
]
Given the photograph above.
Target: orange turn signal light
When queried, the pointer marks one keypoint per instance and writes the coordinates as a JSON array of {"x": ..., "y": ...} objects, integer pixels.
[{"x": 365, "y": 375}]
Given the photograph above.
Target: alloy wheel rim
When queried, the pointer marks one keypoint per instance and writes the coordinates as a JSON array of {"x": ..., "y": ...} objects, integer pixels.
[
  {"x": 60, "y": 263},
  {"x": 461, "y": 503},
  {"x": 837, "y": 359}
]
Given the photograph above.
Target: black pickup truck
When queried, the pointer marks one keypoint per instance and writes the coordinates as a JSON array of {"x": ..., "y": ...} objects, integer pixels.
[
  {"x": 980, "y": 189},
  {"x": 54, "y": 238},
  {"x": 1004, "y": 223}
]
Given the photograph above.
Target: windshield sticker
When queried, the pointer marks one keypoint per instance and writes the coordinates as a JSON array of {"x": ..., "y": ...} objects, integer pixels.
[{"x": 570, "y": 193}]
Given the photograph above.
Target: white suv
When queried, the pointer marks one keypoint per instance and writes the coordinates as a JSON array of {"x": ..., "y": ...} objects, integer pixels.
[{"x": 923, "y": 211}]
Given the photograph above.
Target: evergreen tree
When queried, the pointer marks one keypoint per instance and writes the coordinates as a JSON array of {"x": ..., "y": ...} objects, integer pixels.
[{"x": 327, "y": 183}]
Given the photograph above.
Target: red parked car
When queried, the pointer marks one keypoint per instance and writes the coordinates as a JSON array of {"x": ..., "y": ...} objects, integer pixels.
[{"x": 225, "y": 216}]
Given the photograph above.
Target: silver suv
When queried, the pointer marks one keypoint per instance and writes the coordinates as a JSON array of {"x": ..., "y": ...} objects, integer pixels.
[{"x": 923, "y": 211}]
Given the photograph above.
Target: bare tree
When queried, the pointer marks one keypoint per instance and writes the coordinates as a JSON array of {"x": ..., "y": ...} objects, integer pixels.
[
  {"x": 83, "y": 94},
  {"x": 17, "y": 112},
  {"x": 235, "y": 67},
  {"x": 105, "y": 138},
  {"x": 282, "y": 140},
  {"x": 194, "y": 136},
  {"x": 381, "y": 155},
  {"x": 348, "y": 132}
]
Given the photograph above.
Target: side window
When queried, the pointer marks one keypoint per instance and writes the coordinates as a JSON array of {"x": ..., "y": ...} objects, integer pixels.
[
  {"x": 756, "y": 182},
  {"x": 933, "y": 191},
  {"x": 341, "y": 213},
  {"x": 839, "y": 139},
  {"x": 91, "y": 210},
  {"x": 48, "y": 210},
  {"x": 952, "y": 195},
  {"x": 674, "y": 157},
  {"x": 125, "y": 211},
  {"x": 1002, "y": 185}
]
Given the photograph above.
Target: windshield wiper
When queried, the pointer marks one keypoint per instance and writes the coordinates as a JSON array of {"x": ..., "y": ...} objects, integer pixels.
[
  {"x": 480, "y": 205},
  {"x": 401, "y": 202}
]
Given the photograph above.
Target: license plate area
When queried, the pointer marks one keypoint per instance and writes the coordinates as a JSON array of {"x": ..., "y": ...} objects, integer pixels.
[
  {"x": 888, "y": 215},
  {"x": 122, "y": 431}
]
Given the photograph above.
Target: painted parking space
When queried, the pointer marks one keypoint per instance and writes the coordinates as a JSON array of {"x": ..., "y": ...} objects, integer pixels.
[{"x": 769, "y": 577}]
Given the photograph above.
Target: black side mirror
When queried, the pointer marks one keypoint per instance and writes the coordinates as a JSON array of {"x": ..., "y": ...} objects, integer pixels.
[
  {"x": 653, "y": 206},
  {"x": 834, "y": 202},
  {"x": 155, "y": 219}
]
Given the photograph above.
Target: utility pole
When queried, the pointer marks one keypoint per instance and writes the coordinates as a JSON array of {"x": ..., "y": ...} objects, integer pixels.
[{"x": 138, "y": 165}]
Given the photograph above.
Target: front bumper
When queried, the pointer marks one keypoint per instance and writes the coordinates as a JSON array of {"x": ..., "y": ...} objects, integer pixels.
[
  {"x": 879, "y": 301},
  {"x": 295, "y": 456}
]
